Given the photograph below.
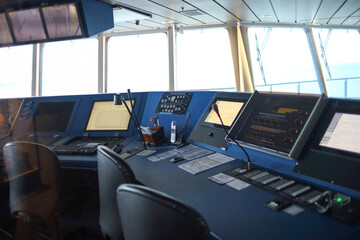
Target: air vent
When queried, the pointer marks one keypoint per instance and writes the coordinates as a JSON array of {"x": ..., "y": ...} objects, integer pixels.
[{"x": 192, "y": 13}]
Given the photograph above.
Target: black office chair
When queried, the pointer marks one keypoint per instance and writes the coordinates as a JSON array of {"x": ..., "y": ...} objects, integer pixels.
[
  {"x": 147, "y": 214},
  {"x": 33, "y": 174},
  {"x": 112, "y": 171}
]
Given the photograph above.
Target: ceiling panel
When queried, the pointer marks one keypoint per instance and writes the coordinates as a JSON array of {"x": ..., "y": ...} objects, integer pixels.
[
  {"x": 211, "y": 8},
  {"x": 239, "y": 9},
  {"x": 354, "y": 19},
  {"x": 176, "y": 5},
  {"x": 185, "y": 9},
  {"x": 167, "y": 12},
  {"x": 262, "y": 10},
  {"x": 345, "y": 11},
  {"x": 306, "y": 10},
  {"x": 159, "y": 10},
  {"x": 326, "y": 10},
  {"x": 285, "y": 10}
]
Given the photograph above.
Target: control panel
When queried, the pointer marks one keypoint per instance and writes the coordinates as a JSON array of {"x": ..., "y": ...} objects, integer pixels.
[
  {"x": 174, "y": 103},
  {"x": 274, "y": 121},
  {"x": 290, "y": 190}
]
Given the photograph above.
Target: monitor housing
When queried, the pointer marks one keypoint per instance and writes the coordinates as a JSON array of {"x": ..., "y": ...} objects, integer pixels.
[
  {"x": 209, "y": 129},
  {"x": 332, "y": 154},
  {"x": 28, "y": 22},
  {"x": 277, "y": 123}
]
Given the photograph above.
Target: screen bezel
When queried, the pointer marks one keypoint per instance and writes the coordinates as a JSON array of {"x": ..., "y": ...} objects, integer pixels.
[
  {"x": 210, "y": 109},
  {"x": 112, "y": 130}
]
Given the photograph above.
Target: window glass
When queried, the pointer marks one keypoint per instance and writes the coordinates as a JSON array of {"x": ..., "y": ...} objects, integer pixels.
[
  {"x": 16, "y": 71},
  {"x": 281, "y": 59},
  {"x": 138, "y": 62},
  {"x": 70, "y": 67},
  {"x": 204, "y": 60},
  {"x": 339, "y": 52}
]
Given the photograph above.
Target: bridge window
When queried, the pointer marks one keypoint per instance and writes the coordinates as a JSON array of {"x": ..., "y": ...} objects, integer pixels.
[
  {"x": 70, "y": 67},
  {"x": 16, "y": 71},
  {"x": 281, "y": 60},
  {"x": 204, "y": 60},
  {"x": 339, "y": 52},
  {"x": 138, "y": 62}
]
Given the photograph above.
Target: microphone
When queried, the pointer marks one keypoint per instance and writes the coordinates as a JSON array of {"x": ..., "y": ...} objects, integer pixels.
[
  {"x": 216, "y": 110},
  {"x": 119, "y": 100},
  {"x": 132, "y": 109}
]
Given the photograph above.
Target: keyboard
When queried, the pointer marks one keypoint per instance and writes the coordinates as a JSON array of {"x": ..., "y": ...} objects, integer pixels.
[{"x": 85, "y": 145}]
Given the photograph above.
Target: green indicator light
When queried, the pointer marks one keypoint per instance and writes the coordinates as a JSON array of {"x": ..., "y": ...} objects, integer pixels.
[{"x": 339, "y": 199}]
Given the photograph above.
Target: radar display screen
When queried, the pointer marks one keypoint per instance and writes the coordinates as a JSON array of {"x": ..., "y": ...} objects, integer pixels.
[{"x": 273, "y": 121}]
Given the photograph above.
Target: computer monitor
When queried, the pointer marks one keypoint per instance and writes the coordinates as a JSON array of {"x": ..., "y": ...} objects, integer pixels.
[
  {"x": 5, "y": 35},
  {"x": 27, "y": 25},
  {"x": 342, "y": 133},
  {"x": 332, "y": 154},
  {"x": 209, "y": 130},
  {"x": 51, "y": 117},
  {"x": 62, "y": 21},
  {"x": 273, "y": 122},
  {"x": 228, "y": 110},
  {"x": 105, "y": 116}
]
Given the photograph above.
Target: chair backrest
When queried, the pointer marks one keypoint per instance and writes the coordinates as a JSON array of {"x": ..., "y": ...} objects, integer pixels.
[
  {"x": 147, "y": 214},
  {"x": 112, "y": 171},
  {"x": 33, "y": 173}
]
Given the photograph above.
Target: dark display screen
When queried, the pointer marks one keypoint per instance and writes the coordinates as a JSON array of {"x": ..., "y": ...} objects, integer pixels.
[
  {"x": 62, "y": 21},
  {"x": 27, "y": 25},
  {"x": 51, "y": 117}
]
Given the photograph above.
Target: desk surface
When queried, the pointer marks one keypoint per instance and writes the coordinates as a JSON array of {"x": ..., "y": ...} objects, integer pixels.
[{"x": 233, "y": 214}]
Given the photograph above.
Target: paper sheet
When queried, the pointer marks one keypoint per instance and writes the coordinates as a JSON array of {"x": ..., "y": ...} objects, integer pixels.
[
  {"x": 238, "y": 184},
  {"x": 205, "y": 163},
  {"x": 221, "y": 178}
]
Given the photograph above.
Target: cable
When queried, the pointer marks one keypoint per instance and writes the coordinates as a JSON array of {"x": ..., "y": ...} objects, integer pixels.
[{"x": 216, "y": 109}]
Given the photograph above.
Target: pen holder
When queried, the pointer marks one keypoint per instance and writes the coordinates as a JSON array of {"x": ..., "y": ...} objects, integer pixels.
[{"x": 156, "y": 137}]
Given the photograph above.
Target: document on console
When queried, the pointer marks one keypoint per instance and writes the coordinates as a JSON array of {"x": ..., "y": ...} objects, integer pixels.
[{"x": 205, "y": 163}]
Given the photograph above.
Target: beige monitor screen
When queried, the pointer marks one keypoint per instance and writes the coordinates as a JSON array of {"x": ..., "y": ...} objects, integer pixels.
[
  {"x": 228, "y": 111},
  {"x": 105, "y": 116}
]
